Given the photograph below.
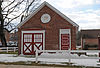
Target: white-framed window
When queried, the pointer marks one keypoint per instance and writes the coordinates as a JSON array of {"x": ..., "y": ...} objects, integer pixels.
[
  {"x": 37, "y": 37},
  {"x": 27, "y": 37}
]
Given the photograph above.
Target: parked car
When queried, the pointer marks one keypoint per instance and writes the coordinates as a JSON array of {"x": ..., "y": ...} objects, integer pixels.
[{"x": 11, "y": 43}]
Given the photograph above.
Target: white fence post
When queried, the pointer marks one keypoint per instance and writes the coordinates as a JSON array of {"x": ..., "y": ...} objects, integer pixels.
[
  {"x": 7, "y": 49},
  {"x": 36, "y": 56},
  {"x": 14, "y": 49},
  {"x": 69, "y": 56}
]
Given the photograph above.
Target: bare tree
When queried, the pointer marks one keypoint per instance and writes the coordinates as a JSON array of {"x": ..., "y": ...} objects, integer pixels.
[{"x": 12, "y": 12}]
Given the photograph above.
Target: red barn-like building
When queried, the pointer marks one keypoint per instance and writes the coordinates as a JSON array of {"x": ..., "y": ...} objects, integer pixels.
[{"x": 46, "y": 29}]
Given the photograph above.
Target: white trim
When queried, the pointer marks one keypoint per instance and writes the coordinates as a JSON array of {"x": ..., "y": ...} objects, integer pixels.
[
  {"x": 64, "y": 31},
  {"x": 50, "y": 6},
  {"x": 33, "y": 31},
  {"x": 59, "y": 40},
  {"x": 70, "y": 41},
  {"x": 21, "y": 43}
]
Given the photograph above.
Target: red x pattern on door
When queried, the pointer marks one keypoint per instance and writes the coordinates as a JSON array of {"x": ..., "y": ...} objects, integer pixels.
[
  {"x": 32, "y": 42},
  {"x": 28, "y": 47},
  {"x": 38, "y": 41},
  {"x": 27, "y": 44}
]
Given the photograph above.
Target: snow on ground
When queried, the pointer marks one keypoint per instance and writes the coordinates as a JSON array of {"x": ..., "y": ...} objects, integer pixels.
[
  {"x": 92, "y": 54},
  {"x": 81, "y": 62},
  {"x": 85, "y": 62},
  {"x": 11, "y": 58}
]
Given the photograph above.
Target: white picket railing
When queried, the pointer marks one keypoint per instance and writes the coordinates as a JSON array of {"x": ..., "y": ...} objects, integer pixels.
[
  {"x": 8, "y": 49},
  {"x": 66, "y": 54}
]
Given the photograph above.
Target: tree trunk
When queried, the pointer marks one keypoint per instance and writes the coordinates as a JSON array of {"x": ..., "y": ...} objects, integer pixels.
[
  {"x": 3, "y": 39},
  {"x": 2, "y": 34}
]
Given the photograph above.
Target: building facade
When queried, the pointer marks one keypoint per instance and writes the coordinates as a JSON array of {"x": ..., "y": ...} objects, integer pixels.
[
  {"x": 89, "y": 39},
  {"x": 46, "y": 29}
]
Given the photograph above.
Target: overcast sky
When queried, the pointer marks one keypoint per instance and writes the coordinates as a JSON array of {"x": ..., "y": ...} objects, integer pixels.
[{"x": 86, "y": 13}]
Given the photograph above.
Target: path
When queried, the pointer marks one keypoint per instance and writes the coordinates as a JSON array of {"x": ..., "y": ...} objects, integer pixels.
[{"x": 24, "y": 66}]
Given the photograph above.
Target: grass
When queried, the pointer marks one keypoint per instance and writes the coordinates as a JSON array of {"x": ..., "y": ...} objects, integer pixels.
[{"x": 9, "y": 52}]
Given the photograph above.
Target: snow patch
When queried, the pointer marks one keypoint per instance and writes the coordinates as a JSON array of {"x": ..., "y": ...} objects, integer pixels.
[
  {"x": 11, "y": 58},
  {"x": 81, "y": 62}
]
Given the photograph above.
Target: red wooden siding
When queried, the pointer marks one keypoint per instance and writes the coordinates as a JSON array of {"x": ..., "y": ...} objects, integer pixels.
[{"x": 51, "y": 28}]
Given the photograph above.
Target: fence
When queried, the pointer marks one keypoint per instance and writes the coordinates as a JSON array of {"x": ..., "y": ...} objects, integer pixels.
[
  {"x": 8, "y": 49},
  {"x": 67, "y": 54}
]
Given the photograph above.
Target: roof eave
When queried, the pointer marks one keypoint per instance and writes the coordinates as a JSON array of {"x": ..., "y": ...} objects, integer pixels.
[{"x": 32, "y": 14}]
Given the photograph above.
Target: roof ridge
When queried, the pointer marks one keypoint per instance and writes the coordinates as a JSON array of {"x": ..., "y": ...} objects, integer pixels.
[{"x": 51, "y": 7}]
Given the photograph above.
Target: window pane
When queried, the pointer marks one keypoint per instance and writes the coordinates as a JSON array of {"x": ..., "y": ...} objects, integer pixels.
[
  {"x": 27, "y": 37},
  {"x": 37, "y": 37}
]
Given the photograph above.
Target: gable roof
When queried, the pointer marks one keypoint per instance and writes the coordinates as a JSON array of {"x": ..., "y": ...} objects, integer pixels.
[{"x": 50, "y": 6}]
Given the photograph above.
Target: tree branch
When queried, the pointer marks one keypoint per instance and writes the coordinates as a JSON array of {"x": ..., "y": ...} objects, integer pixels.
[
  {"x": 29, "y": 5},
  {"x": 27, "y": 9},
  {"x": 21, "y": 12},
  {"x": 8, "y": 5},
  {"x": 8, "y": 12}
]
